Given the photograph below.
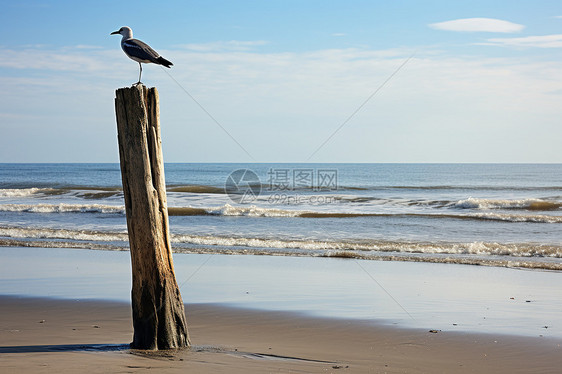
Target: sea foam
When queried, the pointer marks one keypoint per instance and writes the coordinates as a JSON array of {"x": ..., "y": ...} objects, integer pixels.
[
  {"x": 62, "y": 208},
  {"x": 523, "y": 204},
  {"x": 498, "y": 254},
  {"x": 23, "y": 192}
]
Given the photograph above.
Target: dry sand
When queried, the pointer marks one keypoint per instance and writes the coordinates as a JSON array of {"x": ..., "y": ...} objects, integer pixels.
[{"x": 62, "y": 336}]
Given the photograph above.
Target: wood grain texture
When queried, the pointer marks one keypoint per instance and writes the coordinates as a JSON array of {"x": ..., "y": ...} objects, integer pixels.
[{"x": 158, "y": 311}]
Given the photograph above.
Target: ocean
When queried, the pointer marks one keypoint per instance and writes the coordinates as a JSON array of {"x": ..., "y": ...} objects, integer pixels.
[{"x": 506, "y": 215}]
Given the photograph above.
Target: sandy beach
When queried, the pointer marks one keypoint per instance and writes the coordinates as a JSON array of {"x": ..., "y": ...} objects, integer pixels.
[
  {"x": 64, "y": 336},
  {"x": 67, "y": 311}
]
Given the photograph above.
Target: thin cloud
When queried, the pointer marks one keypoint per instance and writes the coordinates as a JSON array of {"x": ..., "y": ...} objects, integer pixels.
[
  {"x": 232, "y": 45},
  {"x": 294, "y": 97},
  {"x": 478, "y": 25},
  {"x": 555, "y": 92},
  {"x": 543, "y": 41},
  {"x": 87, "y": 46},
  {"x": 70, "y": 59}
]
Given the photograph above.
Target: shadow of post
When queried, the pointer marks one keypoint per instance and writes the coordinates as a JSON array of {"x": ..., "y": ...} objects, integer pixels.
[{"x": 64, "y": 348}]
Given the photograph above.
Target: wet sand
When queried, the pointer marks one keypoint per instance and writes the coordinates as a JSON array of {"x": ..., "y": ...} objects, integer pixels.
[{"x": 64, "y": 336}]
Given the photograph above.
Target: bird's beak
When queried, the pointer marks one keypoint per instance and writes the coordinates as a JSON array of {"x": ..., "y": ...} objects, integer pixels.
[{"x": 114, "y": 32}]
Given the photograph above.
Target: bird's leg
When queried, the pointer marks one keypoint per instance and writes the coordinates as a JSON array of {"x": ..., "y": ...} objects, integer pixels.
[{"x": 140, "y": 73}]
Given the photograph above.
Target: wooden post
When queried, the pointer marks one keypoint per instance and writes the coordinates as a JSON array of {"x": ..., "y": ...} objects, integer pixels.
[{"x": 158, "y": 310}]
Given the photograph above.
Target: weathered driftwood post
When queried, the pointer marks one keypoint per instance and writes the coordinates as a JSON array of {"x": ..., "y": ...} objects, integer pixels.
[{"x": 158, "y": 311}]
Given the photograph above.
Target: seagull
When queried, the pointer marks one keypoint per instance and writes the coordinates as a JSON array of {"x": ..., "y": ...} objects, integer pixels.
[{"x": 139, "y": 51}]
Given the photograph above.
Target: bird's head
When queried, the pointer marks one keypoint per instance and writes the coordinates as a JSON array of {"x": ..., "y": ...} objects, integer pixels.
[{"x": 125, "y": 31}]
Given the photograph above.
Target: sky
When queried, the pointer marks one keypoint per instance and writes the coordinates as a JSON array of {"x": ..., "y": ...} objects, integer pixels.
[{"x": 288, "y": 81}]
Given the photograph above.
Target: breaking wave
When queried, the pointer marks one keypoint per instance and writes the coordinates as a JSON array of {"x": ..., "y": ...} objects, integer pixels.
[
  {"x": 79, "y": 191},
  {"x": 260, "y": 212},
  {"x": 521, "y": 204},
  {"x": 50, "y": 233},
  {"x": 62, "y": 208},
  {"x": 24, "y": 192},
  {"x": 196, "y": 189},
  {"x": 476, "y": 253}
]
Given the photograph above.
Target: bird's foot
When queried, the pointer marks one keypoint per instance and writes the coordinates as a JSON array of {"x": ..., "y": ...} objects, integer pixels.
[{"x": 136, "y": 84}]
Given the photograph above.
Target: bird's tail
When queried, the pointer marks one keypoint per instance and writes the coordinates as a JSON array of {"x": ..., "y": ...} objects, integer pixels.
[{"x": 162, "y": 61}]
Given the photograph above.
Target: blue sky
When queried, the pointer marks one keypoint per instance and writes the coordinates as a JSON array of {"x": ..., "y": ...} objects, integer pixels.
[{"x": 482, "y": 82}]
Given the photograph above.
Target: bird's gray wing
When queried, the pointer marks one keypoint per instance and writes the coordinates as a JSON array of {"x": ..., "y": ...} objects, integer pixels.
[{"x": 140, "y": 50}]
